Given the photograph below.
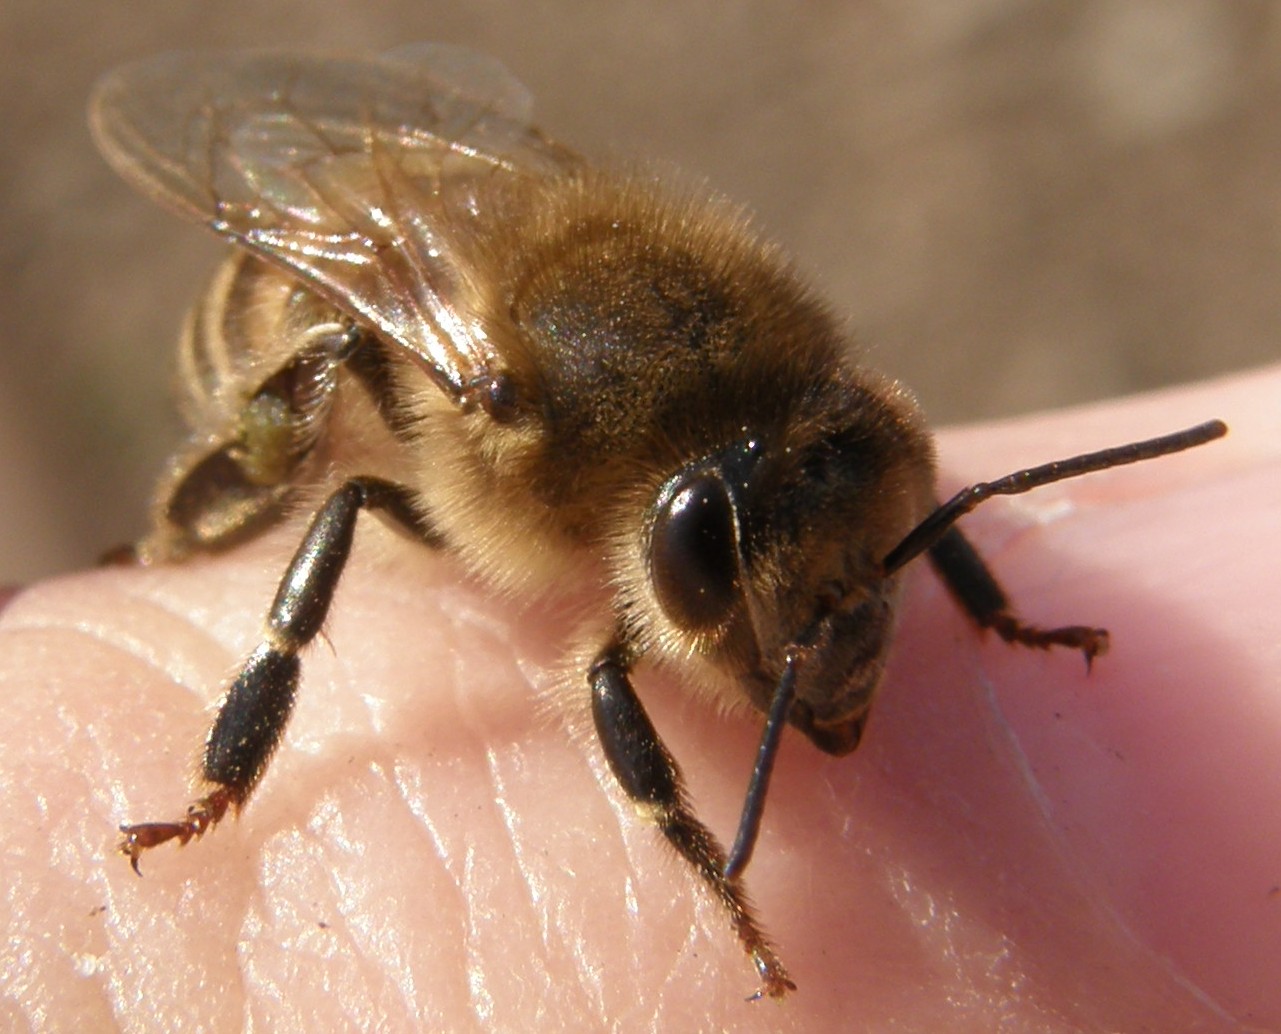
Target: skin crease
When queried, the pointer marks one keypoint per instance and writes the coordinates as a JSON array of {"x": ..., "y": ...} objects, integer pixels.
[{"x": 1015, "y": 846}]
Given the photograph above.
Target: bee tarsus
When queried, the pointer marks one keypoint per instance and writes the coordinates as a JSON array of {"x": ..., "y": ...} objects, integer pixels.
[
  {"x": 201, "y": 816},
  {"x": 255, "y": 711}
]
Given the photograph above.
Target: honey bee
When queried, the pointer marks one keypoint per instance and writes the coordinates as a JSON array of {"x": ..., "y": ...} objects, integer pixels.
[{"x": 570, "y": 377}]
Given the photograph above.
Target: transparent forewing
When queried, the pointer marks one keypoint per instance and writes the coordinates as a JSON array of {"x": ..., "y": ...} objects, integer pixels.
[{"x": 356, "y": 173}]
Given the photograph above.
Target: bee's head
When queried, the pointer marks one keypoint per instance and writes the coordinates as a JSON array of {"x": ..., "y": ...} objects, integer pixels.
[{"x": 771, "y": 547}]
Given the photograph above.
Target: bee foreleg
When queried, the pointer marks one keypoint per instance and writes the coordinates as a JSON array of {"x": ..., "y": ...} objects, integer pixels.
[
  {"x": 649, "y": 775},
  {"x": 976, "y": 589},
  {"x": 256, "y": 708}
]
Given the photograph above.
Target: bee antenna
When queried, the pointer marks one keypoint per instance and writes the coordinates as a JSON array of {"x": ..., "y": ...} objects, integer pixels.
[
  {"x": 930, "y": 530},
  {"x": 749, "y": 825}
]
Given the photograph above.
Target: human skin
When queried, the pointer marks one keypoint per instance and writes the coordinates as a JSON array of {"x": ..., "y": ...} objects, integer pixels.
[{"x": 1017, "y": 845}]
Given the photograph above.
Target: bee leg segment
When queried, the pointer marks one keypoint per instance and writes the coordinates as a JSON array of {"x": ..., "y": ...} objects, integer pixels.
[
  {"x": 649, "y": 775},
  {"x": 253, "y": 714},
  {"x": 976, "y": 589},
  {"x": 968, "y": 578},
  {"x": 201, "y": 815}
]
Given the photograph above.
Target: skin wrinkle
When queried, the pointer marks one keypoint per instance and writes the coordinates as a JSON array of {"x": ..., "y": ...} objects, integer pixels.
[
  {"x": 413, "y": 792},
  {"x": 134, "y": 648},
  {"x": 510, "y": 822},
  {"x": 464, "y": 705},
  {"x": 627, "y": 827},
  {"x": 534, "y": 898},
  {"x": 1053, "y": 835},
  {"x": 262, "y": 917},
  {"x": 379, "y": 939},
  {"x": 31, "y": 901},
  {"x": 559, "y": 921},
  {"x": 253, "y": 931},
  {"x": 481, "y": 1001},
  {"x": 115, "y": 994},
  {"x": 410, "y": 789},
  {"x": 478, "y": 922},
  {"x": 591, "y": 979},
  {"x": 966, "y": 961},
  {"x": 1100, "y": 899},
  {"x": 425, "y": 820},
  {"x": 328, "y": 826}
]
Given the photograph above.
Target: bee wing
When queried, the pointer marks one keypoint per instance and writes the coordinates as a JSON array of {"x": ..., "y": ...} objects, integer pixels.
[{"x": 358, "y": 174}]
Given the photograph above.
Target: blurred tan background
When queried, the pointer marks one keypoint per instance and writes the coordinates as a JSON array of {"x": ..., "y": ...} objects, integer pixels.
[{"x": 1020, "y": 203}]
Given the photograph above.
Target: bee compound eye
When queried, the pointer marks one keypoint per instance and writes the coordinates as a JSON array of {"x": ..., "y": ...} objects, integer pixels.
[{"x": 694, "y": 552}]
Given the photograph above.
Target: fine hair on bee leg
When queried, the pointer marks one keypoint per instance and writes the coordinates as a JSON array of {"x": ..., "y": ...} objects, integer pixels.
[
  {"x": 252, "y": 716},
  {"x": 651, "y": 778}
]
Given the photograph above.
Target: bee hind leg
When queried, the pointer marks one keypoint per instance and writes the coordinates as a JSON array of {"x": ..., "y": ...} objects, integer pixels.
[
  {"x": 257, "y": 706},
  {"x": 649, "y": 775},
  {"x": 232, "y": 483}
]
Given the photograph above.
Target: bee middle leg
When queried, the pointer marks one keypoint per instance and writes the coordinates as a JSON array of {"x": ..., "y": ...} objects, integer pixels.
[
  {"x": 976, "y": 589},
  {"x": 257, "y": 706},
  {"x": 650, "y": 777}
]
